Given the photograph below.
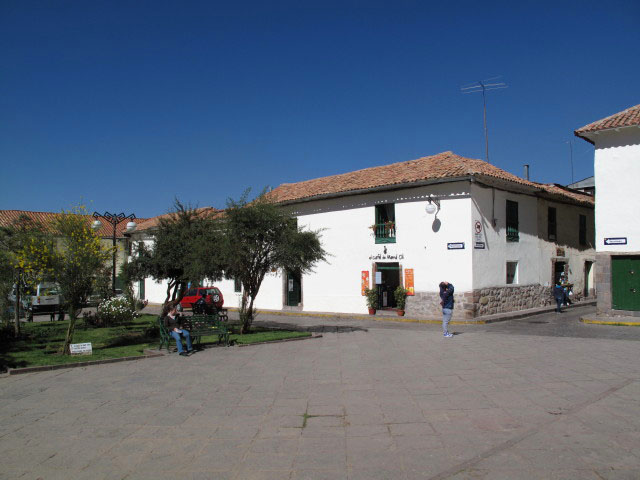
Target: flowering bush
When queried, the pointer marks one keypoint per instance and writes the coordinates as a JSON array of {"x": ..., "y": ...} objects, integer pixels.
[{"x": 115, "y": 310}]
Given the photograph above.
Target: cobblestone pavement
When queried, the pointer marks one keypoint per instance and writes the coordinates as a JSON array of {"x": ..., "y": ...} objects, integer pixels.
[{"x": 368, "y": 400}]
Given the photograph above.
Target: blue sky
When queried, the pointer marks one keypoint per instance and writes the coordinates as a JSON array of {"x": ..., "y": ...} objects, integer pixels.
[{"x": 126, "y": 105}]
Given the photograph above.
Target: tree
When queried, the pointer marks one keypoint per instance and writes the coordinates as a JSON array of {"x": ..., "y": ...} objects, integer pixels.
[
  {"x": 183, "y": 252},
  {"x": 257, "y": 237},
  {"x": 78, "y": 258},
  {"x": 24, "y": 260}
]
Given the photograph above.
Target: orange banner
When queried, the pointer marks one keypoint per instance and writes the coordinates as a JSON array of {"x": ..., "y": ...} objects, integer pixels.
[
  {"x": 408, "y": 281},
  {"x": 364, "y": 281}
]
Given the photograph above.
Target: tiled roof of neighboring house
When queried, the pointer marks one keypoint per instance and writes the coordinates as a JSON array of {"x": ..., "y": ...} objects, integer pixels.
[
  {"x": 45, "y": 219},
  {"x": 625, "y": 118},
  {"x": 561, "y": 192},
  {"x": 446, "y": 165},
  {"x": 154, "y": 221}
]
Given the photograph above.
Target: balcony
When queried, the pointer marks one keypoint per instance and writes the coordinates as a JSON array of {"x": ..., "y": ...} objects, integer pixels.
[{"x": 384, "y": 232}]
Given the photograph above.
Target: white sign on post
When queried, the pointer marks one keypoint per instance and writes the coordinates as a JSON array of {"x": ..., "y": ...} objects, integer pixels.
[{"x": 80, "y": 349}]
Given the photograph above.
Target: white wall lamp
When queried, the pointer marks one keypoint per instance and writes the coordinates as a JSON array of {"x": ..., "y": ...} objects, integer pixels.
[{"x": 433, "y": 206}]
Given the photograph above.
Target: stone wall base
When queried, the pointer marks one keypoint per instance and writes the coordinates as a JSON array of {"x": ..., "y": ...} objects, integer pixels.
[{"x": 485, "y": 301}]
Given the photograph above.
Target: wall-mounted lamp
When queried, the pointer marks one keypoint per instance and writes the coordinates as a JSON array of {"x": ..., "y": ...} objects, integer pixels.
[{"x": 433, "y": 206}]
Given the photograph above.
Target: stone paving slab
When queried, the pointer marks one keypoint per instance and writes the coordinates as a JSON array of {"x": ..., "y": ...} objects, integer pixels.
[{"x": 507, "y": 400}]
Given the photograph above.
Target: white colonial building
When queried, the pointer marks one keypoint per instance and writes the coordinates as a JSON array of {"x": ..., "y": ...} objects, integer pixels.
[
  {"x": 501, "y": 240},
  {"x": 617, "y": 179}
]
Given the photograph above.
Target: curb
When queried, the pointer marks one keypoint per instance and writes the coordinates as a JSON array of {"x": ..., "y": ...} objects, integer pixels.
[
  {"x": 500, "y": 317},
  {"x": 614, "y": 323},
  {"x": 45, "y": 368},
  {"x": 279, "y": 341}
]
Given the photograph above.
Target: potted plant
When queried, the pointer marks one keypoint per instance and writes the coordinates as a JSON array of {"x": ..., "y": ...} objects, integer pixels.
[
  {"x": 372, "y": 299},
  {"x": 400, "y": 295}
]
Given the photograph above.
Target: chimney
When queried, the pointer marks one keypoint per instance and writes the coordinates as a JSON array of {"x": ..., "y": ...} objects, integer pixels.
[{"x": 526, "y": 171}]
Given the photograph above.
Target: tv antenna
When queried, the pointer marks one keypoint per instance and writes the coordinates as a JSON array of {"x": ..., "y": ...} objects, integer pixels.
[
  {"x": 484, "y": 86},
  {"x": 570, "y": 142}
]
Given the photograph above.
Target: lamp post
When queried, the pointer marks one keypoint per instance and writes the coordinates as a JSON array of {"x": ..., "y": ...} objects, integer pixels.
[{"x": 114, "y": 220}]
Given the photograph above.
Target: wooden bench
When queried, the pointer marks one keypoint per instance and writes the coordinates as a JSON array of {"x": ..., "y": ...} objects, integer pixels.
[{"x": 198, "y": 326}]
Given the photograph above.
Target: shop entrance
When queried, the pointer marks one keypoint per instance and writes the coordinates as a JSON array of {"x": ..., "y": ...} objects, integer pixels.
[
  {"x": 390, "y": 280},
  {"x": 293, "y": 287}
]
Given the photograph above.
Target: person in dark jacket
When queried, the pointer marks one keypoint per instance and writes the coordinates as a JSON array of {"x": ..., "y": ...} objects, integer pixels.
[
  {"x": 173, "y": 324},
  {"x": 446, "y": 297},
  {"x": 558, "y": 294}
]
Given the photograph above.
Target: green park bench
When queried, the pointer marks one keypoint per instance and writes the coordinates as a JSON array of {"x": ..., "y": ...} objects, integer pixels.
[{"x": 198, "y": 326}]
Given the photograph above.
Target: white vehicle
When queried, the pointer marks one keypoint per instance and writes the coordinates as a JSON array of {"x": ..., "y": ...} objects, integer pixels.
[{"x": 46, "y": 298}]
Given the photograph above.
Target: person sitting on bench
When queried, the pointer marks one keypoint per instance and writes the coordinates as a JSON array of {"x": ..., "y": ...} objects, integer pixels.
[{"x": 173, "y": 324}]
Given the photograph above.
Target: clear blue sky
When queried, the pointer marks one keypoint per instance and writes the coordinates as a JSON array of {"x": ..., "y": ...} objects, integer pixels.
[{"x": 125, "y": 105}]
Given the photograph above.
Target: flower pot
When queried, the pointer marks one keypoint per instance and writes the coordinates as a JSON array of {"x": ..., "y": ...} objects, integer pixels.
[
  {"x": 372, "y": 311},
  {"x": 400, "y": 313}
]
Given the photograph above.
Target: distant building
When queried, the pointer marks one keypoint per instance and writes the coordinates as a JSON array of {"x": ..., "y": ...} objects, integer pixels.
[
  {"x": 586, "y": 185},
  {"x": 501, "y": 240},
  {"x": 617, "y": 177},
  {"x": 9, "y": 218}
]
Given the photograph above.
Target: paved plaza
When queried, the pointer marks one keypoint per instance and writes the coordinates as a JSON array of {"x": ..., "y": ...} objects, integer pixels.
[{"x": 542, "y": 397}]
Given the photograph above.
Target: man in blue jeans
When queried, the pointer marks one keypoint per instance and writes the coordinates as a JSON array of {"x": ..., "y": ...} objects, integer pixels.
[
  {"x": 446, "y": 297},
  {"x": 173, "y": 325}
]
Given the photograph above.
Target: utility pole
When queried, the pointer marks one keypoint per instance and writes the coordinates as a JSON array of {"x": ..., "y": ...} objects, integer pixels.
[
  {"x": 114, "y": 219},
  {"x": 570, "y": 142},
  {"x": 483, "y": 86}
]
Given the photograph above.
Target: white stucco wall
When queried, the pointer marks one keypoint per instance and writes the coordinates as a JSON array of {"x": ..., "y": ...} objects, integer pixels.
[
  {"x": 490, "y": 264},
  {"x": 533, "y": 252},
  {"x": 617, "y": 176},
  {"x": 334, "y": 285}
]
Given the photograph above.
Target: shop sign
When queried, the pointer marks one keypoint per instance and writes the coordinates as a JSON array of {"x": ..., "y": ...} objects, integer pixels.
[
  {"x": 408, "y": 281},
  {"x": 364, "y": 281}
]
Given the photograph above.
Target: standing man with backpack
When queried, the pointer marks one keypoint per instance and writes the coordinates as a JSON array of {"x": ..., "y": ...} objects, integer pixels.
[{"x": 446, "y": 297}]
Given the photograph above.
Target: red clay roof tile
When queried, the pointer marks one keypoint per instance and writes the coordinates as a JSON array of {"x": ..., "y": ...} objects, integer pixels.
[
  {"x": 442, "y": 166},
  {"x": 626, "y": 118}
]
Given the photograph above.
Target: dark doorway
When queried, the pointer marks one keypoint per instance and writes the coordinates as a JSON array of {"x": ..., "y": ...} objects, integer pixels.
[
  {"x": 390, "y": 277},
  {"x": 293, "y": 288},
  {"x": 558, "y": 272}
]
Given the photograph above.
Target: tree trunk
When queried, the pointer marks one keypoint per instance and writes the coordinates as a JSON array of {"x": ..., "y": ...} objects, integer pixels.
[
  {"x": 17, "y": 308},
  {"x": 72, "y": 326},
  {"x": 243, "y": 313}
]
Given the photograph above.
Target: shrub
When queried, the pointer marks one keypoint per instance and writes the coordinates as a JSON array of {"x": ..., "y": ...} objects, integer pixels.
[
  {"x": 115, "y": 311},
  {"x": 400, "y": 295}
]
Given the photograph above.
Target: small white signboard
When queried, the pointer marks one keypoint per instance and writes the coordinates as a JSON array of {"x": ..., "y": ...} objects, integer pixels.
[
  {"x": 615, "y": 241},
  {"x": 80, "y": 349}
]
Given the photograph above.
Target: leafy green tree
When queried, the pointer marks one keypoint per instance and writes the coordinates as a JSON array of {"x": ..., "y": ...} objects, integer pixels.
[
  {"x": 184, "y": 251},
  {"x": 78, "y": 258},
  {"x": 257, "y": 237},
  {"x": 22, "y": 246}
]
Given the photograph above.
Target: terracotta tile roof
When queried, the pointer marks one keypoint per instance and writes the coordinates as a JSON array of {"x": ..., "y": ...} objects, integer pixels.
[
  {"x": 154, "y": 221},
  {"x": 561, "y": 192},
  {"x": 440, "y": 166},
  {"x": 45, "y": 219},
  {"x": 626, "y": 118}
]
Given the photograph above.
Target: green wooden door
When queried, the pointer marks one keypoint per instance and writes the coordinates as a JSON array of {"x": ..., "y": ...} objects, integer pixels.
[
  {"x": 294, "y": 290},
  {"x": 625, "y": 283}
]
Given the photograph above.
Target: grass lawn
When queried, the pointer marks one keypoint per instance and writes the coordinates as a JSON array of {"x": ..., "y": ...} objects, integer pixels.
[{"x": 42, "y": 341}]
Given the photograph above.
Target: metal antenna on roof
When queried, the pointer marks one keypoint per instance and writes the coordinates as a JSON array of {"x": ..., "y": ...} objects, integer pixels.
[
  {"x": 570, "y": 142},
  {"x": 483, "y": 86}
]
